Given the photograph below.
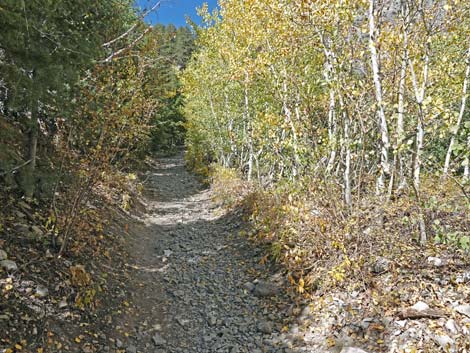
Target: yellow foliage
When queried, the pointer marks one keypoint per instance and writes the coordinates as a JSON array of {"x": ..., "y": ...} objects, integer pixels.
[{"x": 80, "y": 277}]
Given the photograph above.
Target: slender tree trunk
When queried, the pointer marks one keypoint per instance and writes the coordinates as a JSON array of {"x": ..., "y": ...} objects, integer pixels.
[
  {"x": 419, "y": 95},
  {"x": 332, "y": 125},
  {"x": 219, "y": 130},
  {"x": 400, "y": 163},
  {"x": 466, "y": 170},
  {"x": 233, "y": 147},
  {"x": 418, "y": 152},
  {"x": 241, "y": 157},
  {"x": 246, "y": 113},
  {"x": 29, "y": 178},
  {"x": 419, "y": 141},
  {"x": 460, "y": 117},
  {"x": 347, "y": 155},
  {"x": 288, "y": 116},
  {"x": 383, "y": 128},
  {"x": 331, "y": 130}
]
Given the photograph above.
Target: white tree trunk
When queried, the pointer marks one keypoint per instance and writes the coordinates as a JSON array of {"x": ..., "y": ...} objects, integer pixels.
[
  {"x": 466, "y": 170},
  {"x": 460, "y": 117},
  {"x": 288, "y": 116},
  {"x": 332, "y": 125},
  {"x": 419, "y": 95},
  {"x": 401, "y": 113},
  {"x": 347, "y": 155},
  {"x": 383, "y": 128},
  {"x": 219, "y": 131},
  {"x": 246, "y": 113}
]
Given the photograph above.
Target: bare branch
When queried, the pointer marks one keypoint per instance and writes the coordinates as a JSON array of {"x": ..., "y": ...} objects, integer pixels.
[
  {"x": 153, "y": 8},
  {"x": 16, "y": 168},
  {"x": 113, "y": 55}
]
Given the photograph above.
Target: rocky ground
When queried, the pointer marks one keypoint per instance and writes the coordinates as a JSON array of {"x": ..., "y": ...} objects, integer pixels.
[
  {"x": 187, "y": 280},
  {"x": 205, "y": 288}
]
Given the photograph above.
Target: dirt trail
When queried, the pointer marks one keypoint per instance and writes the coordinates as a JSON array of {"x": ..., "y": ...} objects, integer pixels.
[{"x": 198, "y": 284}]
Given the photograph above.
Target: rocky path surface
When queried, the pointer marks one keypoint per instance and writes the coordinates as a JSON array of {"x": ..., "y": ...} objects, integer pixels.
[{"x": 200, "y": 286}]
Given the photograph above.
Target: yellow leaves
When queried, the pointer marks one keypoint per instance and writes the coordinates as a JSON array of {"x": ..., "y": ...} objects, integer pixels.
[
  {"x": 80, "y": 277},
  {"x": 330, "y": 341},
  {"x": 300, "y": 287},
  {"x": 339, "y": 272},
  {"x": 131, "y": 176},
  {"x": 77, "y": 339},
  {"x": 264, "y": 259},
  {"x": 291, "y": 279}
]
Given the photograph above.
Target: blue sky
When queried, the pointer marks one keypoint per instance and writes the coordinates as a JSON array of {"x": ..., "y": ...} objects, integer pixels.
[{"x": 174, "y": 11}]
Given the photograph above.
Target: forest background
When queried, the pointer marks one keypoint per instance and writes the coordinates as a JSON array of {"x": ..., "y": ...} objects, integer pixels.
[{"x": 340, "y": 127}]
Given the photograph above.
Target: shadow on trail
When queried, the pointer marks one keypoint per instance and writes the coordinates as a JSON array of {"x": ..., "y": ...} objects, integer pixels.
[{"x": 202, "y": 285}]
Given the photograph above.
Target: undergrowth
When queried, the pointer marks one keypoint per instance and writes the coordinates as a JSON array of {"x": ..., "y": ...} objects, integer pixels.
[{"x": 323, "y": 245}]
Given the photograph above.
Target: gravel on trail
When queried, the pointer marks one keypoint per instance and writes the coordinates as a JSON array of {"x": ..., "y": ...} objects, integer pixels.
[{"x": 200, "y": 286}]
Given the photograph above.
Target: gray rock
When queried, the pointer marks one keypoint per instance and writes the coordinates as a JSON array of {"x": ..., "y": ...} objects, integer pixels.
[
  {"x": 265, "y": 289},
  {"x": 462, "y": 278},
  {"x": 87, "y": 349},
  {"x": 436, "y": 261},
  {"x": 265, "y": 327},
  {"x": 37, "y": 231},
  {"x": 131, "y": 349},
  {"x": 118, "y": 343},
  {"x": 3, "y": 255},
  {"x": 463, "y": 309},
  {"x": 420, "y": 306},
  {"x": 249, "y": 286},
  {"x": 306, "y": 313},
  {"x": 381, "y": 265},
  {"x": 181, "y": 321},
  {"x": 8, "y": 265},
  {"x": 158, "y": 340},
  {"x": 450, "y": 325},
  {"x": 352, "y": 350},
  {"x": 42, "y": 291},
  {"x": 366, "y": 322},
  {"x": 208, "y": 338},
  {"x": 212, "y": 320},
  {"x": 24, "y": 205},
  {"x": 19, "y": 214},
  {"x": 21, "y": 228},
  {"x": 444, "y": 341}
]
